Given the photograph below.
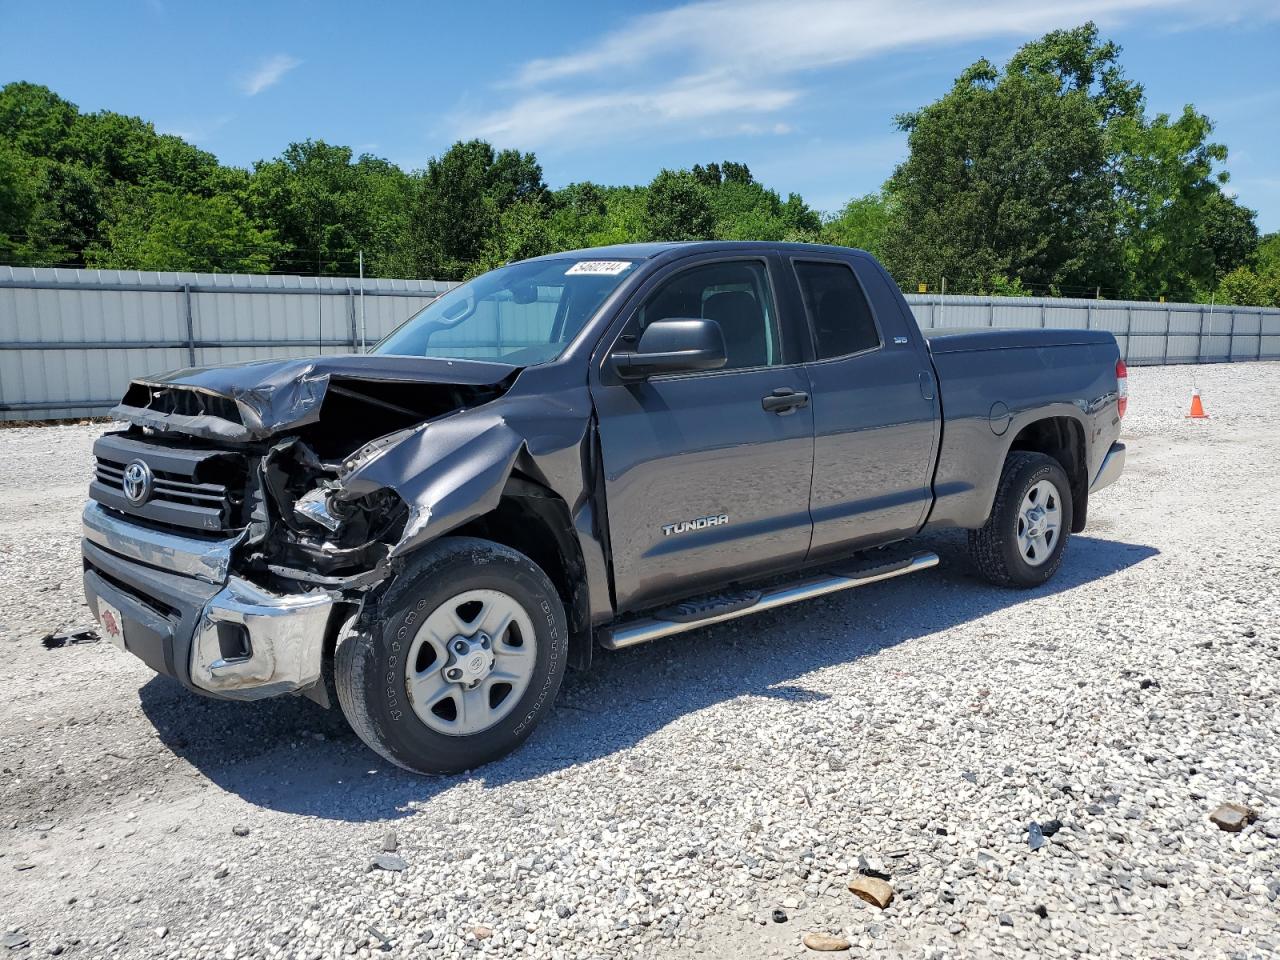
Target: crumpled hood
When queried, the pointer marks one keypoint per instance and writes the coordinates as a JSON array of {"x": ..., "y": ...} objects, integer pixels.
[{"x": 254, "y": 400}]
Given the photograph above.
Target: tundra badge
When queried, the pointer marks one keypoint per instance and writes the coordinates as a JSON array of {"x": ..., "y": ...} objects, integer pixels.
[{"x": 699, "y": 523}]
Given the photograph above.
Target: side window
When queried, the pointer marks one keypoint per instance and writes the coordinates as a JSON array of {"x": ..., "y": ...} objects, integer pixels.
[
  {"x": 735, "y": 294},
  {"x": 838, "y": 309}
]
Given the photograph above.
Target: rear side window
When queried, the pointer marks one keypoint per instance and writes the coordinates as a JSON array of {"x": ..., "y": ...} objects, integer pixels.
[{"x": 838, "y": 309}]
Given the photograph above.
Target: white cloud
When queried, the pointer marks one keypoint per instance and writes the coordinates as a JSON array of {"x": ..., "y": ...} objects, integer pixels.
[
  {"x": 735, "y": 65},
  {"x": 540, "y": 117},
  {"x": 267, "y": 74}
]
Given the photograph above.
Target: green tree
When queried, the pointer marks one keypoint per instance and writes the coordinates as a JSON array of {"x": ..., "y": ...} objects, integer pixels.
[
  {"x": 1257, "y": 284},
  {"x": 1165, "y": 187},
  {"x": 678, "y": 206},
  {"x": 744, "y": 209},
  {"x": 523, "y": 230},
  {"x": 1245, "y": 287},
  {"x": 386, "y": 193},
  {"x": 325, "y": 207},
  {"x": 77, "y": 169},
  {"x": 36, "y": 121},
  {"x": 1008, "y": 172},
  {"x": 461, "y": 198},
  {"x": 124, "y": 151},
  {"x": 24, "y": 230},
  {"x": 1267, "y": 254},
  {"x": 1078, "y": 61},
  {"x": 1001, "y": 286},
  {"x": 54, "y": 205},
  {"x": 1049, "y": 172},
  {"x": 576, "y": 212},
  {"x": 588, "y": 215},
  {"x": 1229, "y": 234},
  {"x": 184, "y": 231},
  {"x": 861, "y": 223}
]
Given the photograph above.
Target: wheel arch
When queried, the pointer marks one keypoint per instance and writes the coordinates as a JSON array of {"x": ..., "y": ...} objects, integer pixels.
[
  {"x": 1063, "y": 439},
  {"x": 536, "y": 521}
]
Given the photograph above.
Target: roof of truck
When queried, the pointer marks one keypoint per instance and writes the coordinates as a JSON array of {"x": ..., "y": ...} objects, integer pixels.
[{"x": 645, "y": 251}]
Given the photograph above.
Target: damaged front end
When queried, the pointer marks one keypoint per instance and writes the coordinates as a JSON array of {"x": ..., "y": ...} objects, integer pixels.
[
  {"x": 245, "y": 515},
  {"x": 311, "y": 531}
]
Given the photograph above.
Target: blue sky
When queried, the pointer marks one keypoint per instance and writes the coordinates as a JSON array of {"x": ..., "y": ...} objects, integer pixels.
[{"x": 802, "y": 91}]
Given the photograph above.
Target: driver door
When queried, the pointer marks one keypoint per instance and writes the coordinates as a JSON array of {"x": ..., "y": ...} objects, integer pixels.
[{"x": 707, "y": 476}]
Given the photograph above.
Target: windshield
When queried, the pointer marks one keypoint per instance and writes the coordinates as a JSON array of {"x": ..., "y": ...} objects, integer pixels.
[{"x": 521, "y": 314}]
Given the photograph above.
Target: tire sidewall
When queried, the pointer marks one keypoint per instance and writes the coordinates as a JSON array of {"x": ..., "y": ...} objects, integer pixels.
[
  {"x": 454, "y": 567},
  {"x": 1021, "y": 572}
]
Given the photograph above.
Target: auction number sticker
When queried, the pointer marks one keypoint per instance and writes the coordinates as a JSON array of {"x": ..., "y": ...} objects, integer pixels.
[{"x": 599, "y": 268}]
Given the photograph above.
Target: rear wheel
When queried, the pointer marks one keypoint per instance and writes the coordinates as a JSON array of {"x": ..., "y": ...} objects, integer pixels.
[
  {"x": 1023, "y": 541},
  {"x": 458, "y": 661}
]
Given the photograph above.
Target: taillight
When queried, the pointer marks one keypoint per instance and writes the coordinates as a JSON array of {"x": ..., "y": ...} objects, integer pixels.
[{"x": 1122, "y": 387}]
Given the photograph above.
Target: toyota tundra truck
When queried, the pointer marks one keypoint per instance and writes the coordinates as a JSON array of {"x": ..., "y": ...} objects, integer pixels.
[{"x": 586, "y": 450}]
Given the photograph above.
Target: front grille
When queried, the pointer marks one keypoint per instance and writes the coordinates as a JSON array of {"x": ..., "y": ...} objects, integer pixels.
[
  {"x": 167, "y": 487},
  {"x": 192, "y": 489}
]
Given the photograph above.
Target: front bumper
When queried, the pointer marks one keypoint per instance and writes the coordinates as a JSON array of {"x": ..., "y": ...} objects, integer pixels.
[
  {"x": 1112, "y": 467},
  {"x": 187, "y": 616}
]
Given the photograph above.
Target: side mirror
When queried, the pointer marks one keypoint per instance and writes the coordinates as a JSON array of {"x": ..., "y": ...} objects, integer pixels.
[{"x": 673, "y": 346}]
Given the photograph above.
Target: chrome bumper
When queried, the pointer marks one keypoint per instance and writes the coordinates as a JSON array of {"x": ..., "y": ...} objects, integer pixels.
[
  {"x": 251, "y": 643},
  {"x": 207, "y": 560},
  {"x": 1112, "y": 467},
  {"x": 248, "y": 642}
]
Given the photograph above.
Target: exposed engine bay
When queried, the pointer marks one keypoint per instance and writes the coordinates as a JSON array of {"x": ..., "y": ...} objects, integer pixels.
[{"x": 284, "y": 452}]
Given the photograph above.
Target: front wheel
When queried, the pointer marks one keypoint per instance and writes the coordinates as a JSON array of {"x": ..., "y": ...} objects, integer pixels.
[
  {"x": 458, "y": 661},
  {"x": 1022, "y": 542}
]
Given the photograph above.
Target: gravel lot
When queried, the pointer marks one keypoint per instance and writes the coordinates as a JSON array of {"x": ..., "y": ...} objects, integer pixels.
[{"x": 684, "y": 791}]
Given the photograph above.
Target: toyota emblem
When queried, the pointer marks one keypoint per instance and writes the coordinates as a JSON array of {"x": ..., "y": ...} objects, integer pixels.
[{"x": 137, "y": 483}]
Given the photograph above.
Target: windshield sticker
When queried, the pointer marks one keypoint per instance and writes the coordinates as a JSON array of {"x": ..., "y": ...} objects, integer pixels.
[{"x": 599, "y": 268}]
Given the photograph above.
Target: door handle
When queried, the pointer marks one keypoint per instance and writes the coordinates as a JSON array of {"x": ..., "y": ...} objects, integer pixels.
[{"x": 784, "y": 400}]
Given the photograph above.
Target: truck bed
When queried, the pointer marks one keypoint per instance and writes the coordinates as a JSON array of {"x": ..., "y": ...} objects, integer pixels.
[{"x": 993, "y": 384}]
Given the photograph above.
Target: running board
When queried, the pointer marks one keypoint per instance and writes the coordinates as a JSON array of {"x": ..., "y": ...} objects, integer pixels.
[{"x": 717, "y": 609}]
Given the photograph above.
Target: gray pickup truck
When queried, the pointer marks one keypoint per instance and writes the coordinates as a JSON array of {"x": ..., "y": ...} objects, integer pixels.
[{"x": 593, "y": 448}]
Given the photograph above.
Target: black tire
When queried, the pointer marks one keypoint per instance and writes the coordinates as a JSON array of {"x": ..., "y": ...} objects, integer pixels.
[
  {"x": 370, "y": 661},
  {"x": 995, "y": 547}
]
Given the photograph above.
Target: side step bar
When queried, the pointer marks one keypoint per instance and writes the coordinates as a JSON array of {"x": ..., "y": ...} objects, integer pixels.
[{"x": 666, "y": 624}]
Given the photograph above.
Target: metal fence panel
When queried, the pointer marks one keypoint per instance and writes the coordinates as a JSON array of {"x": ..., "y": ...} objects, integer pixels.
[
  {"x": 71, "y": 339},
  {"x": 1145, "y": 332}
]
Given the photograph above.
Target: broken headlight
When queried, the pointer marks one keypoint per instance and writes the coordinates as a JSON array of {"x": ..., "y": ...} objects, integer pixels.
[{"x": 315, "y": 506}]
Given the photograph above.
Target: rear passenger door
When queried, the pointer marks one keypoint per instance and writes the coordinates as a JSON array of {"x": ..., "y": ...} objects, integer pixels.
[
  {"x": 707, "y": 474},
  {"x": 875, "y": 408}
]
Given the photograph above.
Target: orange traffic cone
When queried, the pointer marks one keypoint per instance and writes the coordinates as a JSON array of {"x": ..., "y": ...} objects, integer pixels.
[{"x": 1197, "y": 408}]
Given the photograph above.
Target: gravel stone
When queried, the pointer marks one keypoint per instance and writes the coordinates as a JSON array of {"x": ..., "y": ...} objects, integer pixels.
[
  {"x": 874, "y": 891},
  {"x": 1232, "y": 817},
  {"x": 1035, "y": 836},
  {"x": 824, "y": 942}
]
